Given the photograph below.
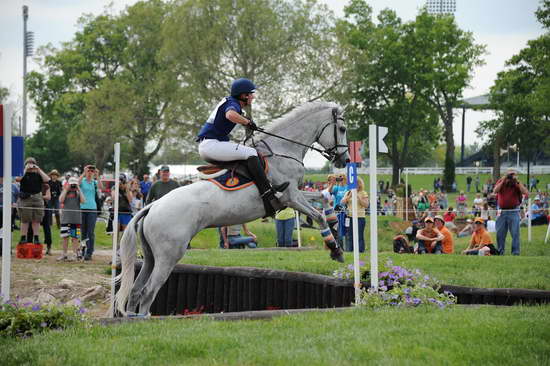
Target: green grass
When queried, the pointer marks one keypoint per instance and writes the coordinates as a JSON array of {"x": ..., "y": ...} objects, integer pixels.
[{"x": 424, "y": 336}]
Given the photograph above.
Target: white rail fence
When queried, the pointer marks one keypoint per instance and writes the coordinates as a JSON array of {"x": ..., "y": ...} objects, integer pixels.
[{"x": 534, "y": 170}]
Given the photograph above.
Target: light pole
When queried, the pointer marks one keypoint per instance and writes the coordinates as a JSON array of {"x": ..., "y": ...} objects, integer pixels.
[
  {"x": 441, "y": 7},
  {"x": 28, "y": 43}
]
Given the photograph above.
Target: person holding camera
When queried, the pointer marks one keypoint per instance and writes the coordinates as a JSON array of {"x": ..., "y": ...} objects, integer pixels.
[
  {"x": 125, "y": 198},
  {"x": 71, "y": 197},
  {"x": 89, "y": 187},
  {"x": 31, "y": 202},
  {"x": 509, "y": 191}
]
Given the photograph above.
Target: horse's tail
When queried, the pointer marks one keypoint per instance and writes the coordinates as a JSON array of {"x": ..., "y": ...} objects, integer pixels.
[{"x": 128, "y": 255}]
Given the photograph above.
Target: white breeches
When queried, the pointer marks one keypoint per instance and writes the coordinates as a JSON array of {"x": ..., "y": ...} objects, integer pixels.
[{"x": 212, "y": 149}]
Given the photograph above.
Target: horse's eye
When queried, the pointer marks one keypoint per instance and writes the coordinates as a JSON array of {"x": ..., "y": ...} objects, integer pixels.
[{"x": 342, "y": 129}]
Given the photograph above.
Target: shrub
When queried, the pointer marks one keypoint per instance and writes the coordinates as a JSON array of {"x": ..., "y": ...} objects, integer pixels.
[
  {"x": 25, "y": 320},
  {"x": 398, "y": 286}
]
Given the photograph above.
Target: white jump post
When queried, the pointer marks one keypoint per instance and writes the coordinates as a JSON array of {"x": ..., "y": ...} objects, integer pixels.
[
  {"x": 376, "y": 143},
  {"x": 5, "y": 115},
  {"x": 406, "y": 194},
  {"x": 352, "y": 185},
  {"x": 529, "y": 226},
  {"x": 547, "y": 233},
  {"x": 297, "y": 216},
  {"x": 115, "y": 228}
]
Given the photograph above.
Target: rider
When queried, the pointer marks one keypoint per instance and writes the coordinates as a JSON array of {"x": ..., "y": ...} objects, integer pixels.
[{"x": 215, "y": 145}]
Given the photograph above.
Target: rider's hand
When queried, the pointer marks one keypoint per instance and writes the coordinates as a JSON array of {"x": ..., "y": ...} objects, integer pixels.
[{"x": 252, "y": 126}]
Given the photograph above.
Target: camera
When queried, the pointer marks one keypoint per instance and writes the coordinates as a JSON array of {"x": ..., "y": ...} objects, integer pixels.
[
  {"x": 73, "y": 186},
  {"x": 339, "y": 179},
  {"x": 510, "y": 176}
]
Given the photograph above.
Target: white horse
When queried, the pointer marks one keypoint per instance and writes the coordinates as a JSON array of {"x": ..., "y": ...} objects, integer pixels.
[{"x": 167, "y": 225}]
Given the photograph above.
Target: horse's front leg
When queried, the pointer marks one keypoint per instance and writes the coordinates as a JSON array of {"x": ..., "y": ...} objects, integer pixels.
[{"x": 300, "y": 203}]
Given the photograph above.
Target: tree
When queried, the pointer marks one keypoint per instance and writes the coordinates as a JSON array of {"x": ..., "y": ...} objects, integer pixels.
[
  {"x": 4, "y": 94},
  {"x": 111, "y": 85},
  {"x": 380, "y": 81},
  {"x": 446, "y": 57},
  {"x": 286, "y": 47},
  {"x": 520, "y": 96}
]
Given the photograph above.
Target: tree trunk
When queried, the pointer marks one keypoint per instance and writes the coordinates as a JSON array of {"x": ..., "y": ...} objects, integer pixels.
[
  {"x": 449, "y": 172},
  {"x": 496, "y": 156},
  {"x": 395, "y": 163}
]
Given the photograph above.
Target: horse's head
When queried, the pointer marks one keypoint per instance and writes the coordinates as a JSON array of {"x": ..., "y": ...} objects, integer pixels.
[{"x": 332, "y": 136}]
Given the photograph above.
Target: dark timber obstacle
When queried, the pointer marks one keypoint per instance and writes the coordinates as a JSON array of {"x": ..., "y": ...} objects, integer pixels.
[{"x": 205, "y": 289}]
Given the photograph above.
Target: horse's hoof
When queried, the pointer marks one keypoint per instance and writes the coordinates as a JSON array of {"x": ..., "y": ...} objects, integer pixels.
[{"x": 337, "y": 255}]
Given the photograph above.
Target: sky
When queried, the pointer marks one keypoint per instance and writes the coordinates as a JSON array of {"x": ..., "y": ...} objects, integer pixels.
[{"x": 504, "y": 26}]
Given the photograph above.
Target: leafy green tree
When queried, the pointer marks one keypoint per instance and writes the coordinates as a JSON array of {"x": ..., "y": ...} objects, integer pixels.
[
  {"x": 286, "y": 47},
  {"x": 520, "y": 96},
  {"x": 110, "y": 84},
  {"x": 4, "y": 94},
  {"x": 446, "y": 57},
  {"x": 380, "y": 81}
]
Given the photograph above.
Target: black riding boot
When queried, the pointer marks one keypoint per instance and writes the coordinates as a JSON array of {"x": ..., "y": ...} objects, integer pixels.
[{"x": 267, "y": 192}]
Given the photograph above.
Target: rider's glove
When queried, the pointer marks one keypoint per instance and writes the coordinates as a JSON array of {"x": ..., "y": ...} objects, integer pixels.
[{"x": 252, "y": 126}]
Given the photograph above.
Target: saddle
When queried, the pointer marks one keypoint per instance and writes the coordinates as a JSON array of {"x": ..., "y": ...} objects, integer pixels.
[{"x": 229, "y": 175}]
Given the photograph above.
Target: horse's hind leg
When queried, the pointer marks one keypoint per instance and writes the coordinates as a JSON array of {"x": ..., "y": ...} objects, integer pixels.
[
  {"x": 162, "y": 268},
  {"x": 144, "y": 274}
]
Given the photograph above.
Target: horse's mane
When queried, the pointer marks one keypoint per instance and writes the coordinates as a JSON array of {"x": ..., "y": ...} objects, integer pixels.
[{"x": 289, "y": 118}]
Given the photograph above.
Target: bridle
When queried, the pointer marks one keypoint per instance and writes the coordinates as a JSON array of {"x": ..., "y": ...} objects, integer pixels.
[{"x": 330, "y": 154}]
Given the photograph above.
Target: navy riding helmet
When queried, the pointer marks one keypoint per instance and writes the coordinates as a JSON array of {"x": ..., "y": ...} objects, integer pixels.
[{"x": 241, "y": 86}]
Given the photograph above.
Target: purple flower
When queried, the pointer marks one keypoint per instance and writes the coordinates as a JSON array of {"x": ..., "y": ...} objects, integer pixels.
[
  {"x": 82, "y": 310},
  {"x": 361, "y": 263},
  {"x": 416, "y": 301},
  {"x": 36, "y": 307},
  {"x": 407, "y": 290},
  {"x": 350, "y": 267},
  {"x": 77, "y": 302},
  {"x": 383, "y": 288}
]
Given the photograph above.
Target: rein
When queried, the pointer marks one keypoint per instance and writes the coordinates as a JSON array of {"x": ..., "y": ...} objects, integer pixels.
[{"x": 329, "y": 154}]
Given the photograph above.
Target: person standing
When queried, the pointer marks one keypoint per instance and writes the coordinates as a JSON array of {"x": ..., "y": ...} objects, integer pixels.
[
  {"x": 145, "y": 185},
  {"x": 125, "y": 198},
  {"x": 284, "y": 223},
  {"x": 468, "y": 183},
  {"x": 509, "y": 191},
  {"x": 89, "y": 187},
  {"x": 161, "y": 186},
  {"x": 362, "y": 206},
  {"x": 31, "y": 202},
  {"x": 55, "y": 191},
  {"x": 71, "y": 197}
]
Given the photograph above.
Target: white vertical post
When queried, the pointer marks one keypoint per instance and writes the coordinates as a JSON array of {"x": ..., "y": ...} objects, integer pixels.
[
  {"x": 529, "y": 226},
  {"x": 547, "y": 233},
  {"x": 297, "y": 216},
  {"x": 406, "y": 194},
  {"x": 355, "y": 230},
  {"x": 373, "y": 213},
  {"x": 115, "y": 228},
  {"x": 6, "y": 202}
]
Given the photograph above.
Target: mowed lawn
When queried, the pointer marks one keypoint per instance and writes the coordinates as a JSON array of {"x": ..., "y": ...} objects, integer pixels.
[{"x": 479, "y": 335}]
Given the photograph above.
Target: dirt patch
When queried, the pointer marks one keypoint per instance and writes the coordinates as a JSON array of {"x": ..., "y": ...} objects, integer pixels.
[{"x": 35, "y": 280}]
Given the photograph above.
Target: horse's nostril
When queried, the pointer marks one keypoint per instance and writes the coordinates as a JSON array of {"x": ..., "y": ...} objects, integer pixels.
[{"x": 348, "y": 160}]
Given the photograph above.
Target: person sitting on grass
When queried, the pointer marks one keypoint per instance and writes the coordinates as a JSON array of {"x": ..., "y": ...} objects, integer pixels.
[
  {"x": 449, "y": 218},
  {"x": 429, "y": 238},
  {"x": 71, "y": 197},
  {"x": 232, "y": 238},
  {"x": 481, "y": 242},
  {"x": 447, "y": 244},
  {"x": 540, "y": 215},
  {"x": 467, "y": 230}
]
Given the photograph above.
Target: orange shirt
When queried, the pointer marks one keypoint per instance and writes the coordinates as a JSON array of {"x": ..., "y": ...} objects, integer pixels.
[
  {"x": 448, "y": 242},
  {"x": 480, "y": 238}
]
